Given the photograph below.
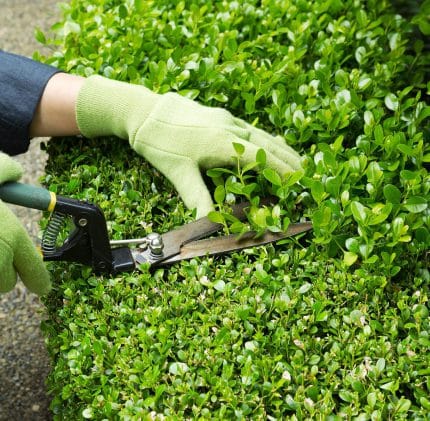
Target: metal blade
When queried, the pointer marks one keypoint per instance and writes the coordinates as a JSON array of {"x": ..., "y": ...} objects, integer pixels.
[
  {"x": 225, "y": 244},
  {"x": 174, "y": 240}
]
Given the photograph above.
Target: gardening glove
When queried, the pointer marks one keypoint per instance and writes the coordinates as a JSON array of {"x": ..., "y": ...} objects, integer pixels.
[
  {"x": 176, "y": 135},
  {"x": 17, "y": 252}
]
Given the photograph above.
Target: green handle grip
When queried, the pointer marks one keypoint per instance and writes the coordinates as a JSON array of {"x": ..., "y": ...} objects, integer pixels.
[{"x": 28, "y": 196}]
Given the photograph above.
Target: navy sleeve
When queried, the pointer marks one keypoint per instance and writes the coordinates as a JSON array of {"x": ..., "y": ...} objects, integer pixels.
[{"x": 22, "y": 82}]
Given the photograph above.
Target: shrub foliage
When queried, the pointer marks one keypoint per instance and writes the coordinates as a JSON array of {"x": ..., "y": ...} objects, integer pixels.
[{"x": 333, "y": 324}]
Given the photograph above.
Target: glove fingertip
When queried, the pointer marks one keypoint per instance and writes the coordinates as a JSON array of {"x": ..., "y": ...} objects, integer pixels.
[
  {"x": 11, "y": 170},
  {"x": 31, "y": 268},
  {"x": 39, "y": 282},
  {"x": 45, "y": 289}
]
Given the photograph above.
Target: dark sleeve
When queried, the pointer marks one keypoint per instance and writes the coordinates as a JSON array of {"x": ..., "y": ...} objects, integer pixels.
[{"x": 22, "y": 82}]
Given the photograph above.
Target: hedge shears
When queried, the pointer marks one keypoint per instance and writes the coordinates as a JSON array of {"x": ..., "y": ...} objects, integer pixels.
[{"x": 88, "y": 241}]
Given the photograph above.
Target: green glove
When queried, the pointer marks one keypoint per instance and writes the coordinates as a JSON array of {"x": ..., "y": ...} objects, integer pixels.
[
  {"x": 17, "y": 252},
  {"x": 176, "y": 135}
]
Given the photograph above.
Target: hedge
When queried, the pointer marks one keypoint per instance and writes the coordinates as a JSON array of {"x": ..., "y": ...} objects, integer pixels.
[{"x": 331, "y": 325}]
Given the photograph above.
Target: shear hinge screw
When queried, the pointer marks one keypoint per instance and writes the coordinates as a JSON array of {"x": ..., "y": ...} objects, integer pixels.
[{"x": 156, "y": 245}]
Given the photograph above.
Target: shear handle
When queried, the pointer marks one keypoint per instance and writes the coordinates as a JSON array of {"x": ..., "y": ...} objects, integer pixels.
[
  {"x": 88, "y": 243},
  {"x": 27, "y": 195}
]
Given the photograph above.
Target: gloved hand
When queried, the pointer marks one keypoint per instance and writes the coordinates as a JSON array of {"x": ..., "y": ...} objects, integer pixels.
[
  {"x": 176, "y": 135},
  {"x": 17, "y": 252}
]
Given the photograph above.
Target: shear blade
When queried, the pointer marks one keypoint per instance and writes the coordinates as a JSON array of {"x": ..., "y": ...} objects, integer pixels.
[
  {"x": 176, "y": 239},
  {"x": 225, "y": 244}
]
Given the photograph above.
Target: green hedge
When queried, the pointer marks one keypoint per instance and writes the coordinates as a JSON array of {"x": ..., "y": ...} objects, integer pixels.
[{"x": 335, "y": 324}]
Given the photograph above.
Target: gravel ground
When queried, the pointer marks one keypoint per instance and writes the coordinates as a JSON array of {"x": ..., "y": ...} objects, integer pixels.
[{"x": 24, "y": 362}]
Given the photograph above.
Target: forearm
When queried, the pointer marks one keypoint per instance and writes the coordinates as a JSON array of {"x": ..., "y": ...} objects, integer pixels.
[
  {"x": 22, "y": 82},
  {"x": 55, "y": 114}
]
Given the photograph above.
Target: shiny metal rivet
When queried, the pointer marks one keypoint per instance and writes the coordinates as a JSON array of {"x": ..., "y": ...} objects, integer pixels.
[{"x": 155, "y": 244}]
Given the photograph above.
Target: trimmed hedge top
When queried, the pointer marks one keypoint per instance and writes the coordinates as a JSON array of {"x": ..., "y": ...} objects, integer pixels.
[{"x": 333, "y": 324}]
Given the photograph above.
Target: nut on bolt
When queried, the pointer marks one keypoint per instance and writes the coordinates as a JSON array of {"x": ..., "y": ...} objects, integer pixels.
[{"x": 156, "y": 245}]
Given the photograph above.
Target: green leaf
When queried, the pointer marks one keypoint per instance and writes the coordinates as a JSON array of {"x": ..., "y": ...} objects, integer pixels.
[
  {"x": 71, "y": 28},
  {"x": 249, "y": 188},
  {"x": 317, "y": 191},
  {"x": 218, "y": 172},
  {"x": 259, "y": 216},
  {"x": 220, "y": 97},
  {"x": 416, "y": 204},
  {"x": 424, "y": 113},
  {"x": 249, "y": 102},
  {"x": 272, "y": 176},
  {"x": 391, "y": 102},
  {"x": 392, "y": 194},
  {"x": 359, "y": 212},
  {"x": 360, "y": 54},
  {"x": 409, "y": 175},
  {"x": 248, "y": 167},
  {"x": 219, "y": 194},
  {"x": 394, "y": 40},
  {"x": 364, "y": 82},
  {"x": 391, "y": 386},
  {"x": 333, "y": 185},
  {"x": 356, "y": 317},
  {"x": 40, "y": 36},
  {"x": 372, "y": 399},
  {"x": 216, "y": 217},
  {"x": 368, "y": 118},
  {"x": 189, "y": 93},
  {"x": 341, "y": 78},
  {"x": 422, "y": 235},
  {"x": 424, "y": 27},
  {"x": 234, "y": 187},
  {"x": 239, "y": 148},
  {"x": 261, "y": 157},
  {"x": 122, "y": 11},
  {"x": 346, "y": 396},
  {"x": 378, "y": 133},
  {"x": 425, "y": 402},
  {"x": 178, "y": 368},
  {"x": 352, "y": 245},
  {"x": 292, "y": 178},
  {"x": 322, "y": 217},
  {"x": 305, "y": 288},
  {"x": 349, "y": 258},
  {"x": 298, "y": 118},
  {"x": 275, "y": 97},
  {"x": 374, "y": 173},
  {"x": 380, "y": 213},
  {"x": 87, "y": 413},
  {"x": 220, "y": 285},
  {"x": 380, "y": 365},
  {"x": 406, "y": 149}
]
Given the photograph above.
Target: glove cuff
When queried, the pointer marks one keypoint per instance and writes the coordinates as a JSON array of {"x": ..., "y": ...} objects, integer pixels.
[{"x": 107, "y": 107}]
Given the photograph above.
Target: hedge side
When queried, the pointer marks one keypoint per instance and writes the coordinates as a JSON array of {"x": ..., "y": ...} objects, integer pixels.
[{"x": 333, "y": 324}]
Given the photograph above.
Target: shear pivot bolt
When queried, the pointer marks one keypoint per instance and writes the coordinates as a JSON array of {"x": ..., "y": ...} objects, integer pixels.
[
  {"x": 155, "y": 244},
  {"x": 83, "y": 222}
]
